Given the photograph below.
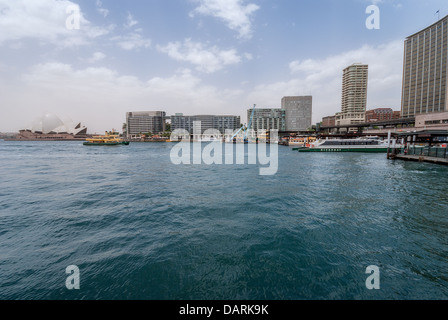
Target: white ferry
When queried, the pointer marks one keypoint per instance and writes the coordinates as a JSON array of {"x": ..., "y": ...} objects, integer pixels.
[{"x": 367, "y": 144}]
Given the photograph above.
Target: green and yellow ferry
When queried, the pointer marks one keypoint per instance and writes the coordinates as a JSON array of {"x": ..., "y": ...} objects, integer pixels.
[
  {"x": 367, "y": 144},
  {"x": 109, "y": 139}
]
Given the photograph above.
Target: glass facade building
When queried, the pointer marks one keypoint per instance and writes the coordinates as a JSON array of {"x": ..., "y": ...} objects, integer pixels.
[
  {"x": 425, "y": 70},
  {"x": 220, "y": 123},
  {"x": 298, "y": 112},
  {"x": 145, "y": 122},
  {"x": 267, "y": 119}
]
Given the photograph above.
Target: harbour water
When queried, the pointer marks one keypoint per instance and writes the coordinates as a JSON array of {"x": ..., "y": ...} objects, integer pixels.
[{"x": 140, "y": 227}]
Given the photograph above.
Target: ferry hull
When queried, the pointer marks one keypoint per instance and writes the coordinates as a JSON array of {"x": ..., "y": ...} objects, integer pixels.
[
  {"x": 364, "y": 150},
  {"x": 105, "y": 143}
]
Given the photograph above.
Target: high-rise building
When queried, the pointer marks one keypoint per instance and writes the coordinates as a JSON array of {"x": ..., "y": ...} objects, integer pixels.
[
  {"x": 425, "y": 71},
  {"x": 145, "y": 122},
  {"x": 267, "y": 119},
  {"x": 298, "y": 112},
  {"x": 220, "y": 123},
  {"x": 354, "y": 94}
]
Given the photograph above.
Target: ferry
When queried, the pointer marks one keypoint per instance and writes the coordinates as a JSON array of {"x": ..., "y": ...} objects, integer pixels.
[
  {"x": 367, "y": 144},
  {"x": 109, "y": 139}
]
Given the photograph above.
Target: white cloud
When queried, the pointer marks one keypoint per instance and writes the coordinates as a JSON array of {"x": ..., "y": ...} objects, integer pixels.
[
  {"x": 99, "y": 7},
  {"x": 132, "y": 41},
  {"x": 322, "y": 78},
  {"x": 130, "y": 21},
  {"x": 383, "y": 2},
  {"x": 97, "y": 56},
  {"x": 207, "y": 60},
  {"x": 248, "y": 56},
  {"x": 100, "y": 97},
  {"x": 44, "y": 20},
  {"x": 234, "y": 13}
]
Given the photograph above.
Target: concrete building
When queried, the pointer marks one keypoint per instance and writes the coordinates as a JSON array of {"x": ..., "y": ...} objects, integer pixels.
[
  {"x": 432, "y": 121},
  {"x": 145, "y": 122},
  {"x": 424, "y": 88},
  {"x": 381, "y": 114},
  {"x": 221, "y": 123},
  {"x": 354, "y": 95},
  {"x": 298, "y": 112},
  {"x": 267, "y": 119}
]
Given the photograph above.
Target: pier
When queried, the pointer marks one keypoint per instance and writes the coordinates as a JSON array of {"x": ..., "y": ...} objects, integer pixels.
[
  {"x": 421, "y": 159},
  {"x": 422, "y": 146}
]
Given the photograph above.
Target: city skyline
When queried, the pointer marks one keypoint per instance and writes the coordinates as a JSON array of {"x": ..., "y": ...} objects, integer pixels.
[{"x": 196, "y": 56}]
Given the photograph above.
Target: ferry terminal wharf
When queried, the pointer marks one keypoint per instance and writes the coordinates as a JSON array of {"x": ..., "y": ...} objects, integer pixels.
[
  {"x": 420, "y": 159},
  {"x": 422, "y": 146}
]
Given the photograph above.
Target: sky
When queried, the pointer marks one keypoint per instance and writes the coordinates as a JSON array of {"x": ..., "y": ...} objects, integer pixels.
[{"x": 195, "y": 56}]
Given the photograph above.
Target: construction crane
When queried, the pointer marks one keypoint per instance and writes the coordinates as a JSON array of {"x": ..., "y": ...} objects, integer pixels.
[
  {"x": 250, "y": 123},
  {"x": 244, "y": 128},
  {"x": 241, "y": 129}
]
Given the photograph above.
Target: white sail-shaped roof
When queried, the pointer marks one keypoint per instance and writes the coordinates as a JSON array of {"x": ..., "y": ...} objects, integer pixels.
[{"x": 50, "y": 123}]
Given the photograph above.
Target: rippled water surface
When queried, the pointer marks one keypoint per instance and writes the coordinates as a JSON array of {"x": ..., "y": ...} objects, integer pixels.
[{"x": 139, "y": 227}]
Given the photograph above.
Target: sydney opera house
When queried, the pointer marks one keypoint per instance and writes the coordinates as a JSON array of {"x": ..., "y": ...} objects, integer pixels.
[{"x": 51, "y": 127}]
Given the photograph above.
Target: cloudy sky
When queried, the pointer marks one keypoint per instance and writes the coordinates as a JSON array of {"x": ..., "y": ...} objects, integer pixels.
[{"x": 195, "y": 56}]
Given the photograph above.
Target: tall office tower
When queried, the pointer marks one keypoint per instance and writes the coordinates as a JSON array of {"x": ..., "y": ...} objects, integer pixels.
[
  {"x": 144, "y": 122},
  {"x": 298, "y": 112},
  {"x": 267, "y": 119},
  {"x": 425, "y": 70},
  {"x": 354, "y": 94}
]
